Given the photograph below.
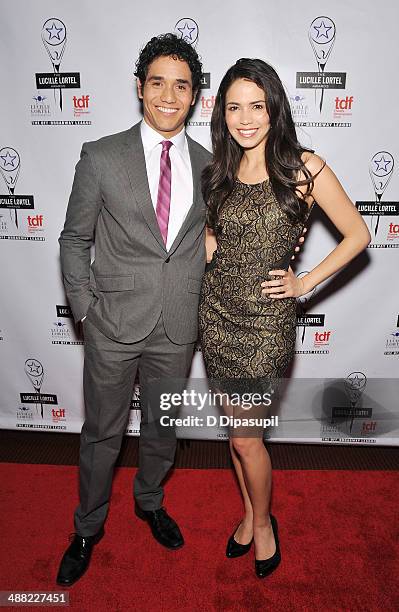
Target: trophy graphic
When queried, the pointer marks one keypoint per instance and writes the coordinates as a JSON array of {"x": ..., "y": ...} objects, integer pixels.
[
  {"x": 35, "y": 373},
  {"x": 54, "y": 40},
  {"x": 354, "y": 387},
  {"x": 302, "y": 303},
  {"x": 381, "y": 168},
  {"x": 10, "y": 165},
  {"x": 322, "y": 38}
]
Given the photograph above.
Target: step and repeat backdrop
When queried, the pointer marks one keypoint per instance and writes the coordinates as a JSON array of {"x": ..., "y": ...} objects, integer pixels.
[{"x": 67, "y": 77}]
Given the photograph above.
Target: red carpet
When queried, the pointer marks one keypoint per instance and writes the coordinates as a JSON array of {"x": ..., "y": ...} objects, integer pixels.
[{"x": 339, "y": 539}]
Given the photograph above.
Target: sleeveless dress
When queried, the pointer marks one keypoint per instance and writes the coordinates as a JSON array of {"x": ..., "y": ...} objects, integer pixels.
[{"x": 248, "y": 337}]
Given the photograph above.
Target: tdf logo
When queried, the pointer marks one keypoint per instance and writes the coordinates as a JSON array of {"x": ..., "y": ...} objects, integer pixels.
[
  {"x": 35, "y": 222},
  {"x": 81, "y": 103}
]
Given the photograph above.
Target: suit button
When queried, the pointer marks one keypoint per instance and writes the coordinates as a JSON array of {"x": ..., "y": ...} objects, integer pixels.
[{"x": 167, "y": 260}]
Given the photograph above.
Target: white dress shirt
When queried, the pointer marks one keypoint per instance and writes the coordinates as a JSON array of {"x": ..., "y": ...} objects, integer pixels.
[{"x": 181, "y": 198}]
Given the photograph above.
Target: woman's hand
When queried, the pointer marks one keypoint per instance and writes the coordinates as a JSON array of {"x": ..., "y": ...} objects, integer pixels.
[{"x": 287, "y": 285}]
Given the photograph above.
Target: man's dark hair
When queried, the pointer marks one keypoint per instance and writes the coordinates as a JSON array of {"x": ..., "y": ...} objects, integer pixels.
[{"x": 169, "y": 45}]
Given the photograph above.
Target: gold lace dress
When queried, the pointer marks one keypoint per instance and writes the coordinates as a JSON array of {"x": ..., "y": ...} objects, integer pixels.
[{"x": 243, "y": 334}]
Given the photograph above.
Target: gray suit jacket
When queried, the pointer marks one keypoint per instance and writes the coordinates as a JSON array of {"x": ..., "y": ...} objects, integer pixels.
[{"x": 133, "y": 278}]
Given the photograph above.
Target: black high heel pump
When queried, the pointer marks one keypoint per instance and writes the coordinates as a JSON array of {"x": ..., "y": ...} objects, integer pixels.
[{"x": 234, "y": 549}]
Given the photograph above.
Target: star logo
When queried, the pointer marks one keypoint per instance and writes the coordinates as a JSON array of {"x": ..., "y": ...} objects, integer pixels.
[
  {"x": 382, "y": 164},
  {"x": 355, "y": 382},
  {"x": 322, "y": 30},
  {"x": 186, "y": 32},
  {"x": 34, "y": 368},
  {"x": 8, "y": 159},
  {"x": 54, "y": 32}
]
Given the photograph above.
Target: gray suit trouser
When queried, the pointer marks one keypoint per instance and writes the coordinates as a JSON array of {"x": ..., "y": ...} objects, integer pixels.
[{"x": 109, "y": 371}]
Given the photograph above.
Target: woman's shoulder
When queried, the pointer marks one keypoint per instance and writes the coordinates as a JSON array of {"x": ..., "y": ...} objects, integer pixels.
[{"x": 313, "y": 162}]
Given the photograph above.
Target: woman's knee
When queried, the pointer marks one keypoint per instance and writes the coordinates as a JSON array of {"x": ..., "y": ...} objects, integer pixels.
[{"x": 245, "y": 446}]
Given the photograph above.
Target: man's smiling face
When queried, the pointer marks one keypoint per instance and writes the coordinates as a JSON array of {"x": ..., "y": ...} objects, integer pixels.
[{"x": 167, "y": 95}]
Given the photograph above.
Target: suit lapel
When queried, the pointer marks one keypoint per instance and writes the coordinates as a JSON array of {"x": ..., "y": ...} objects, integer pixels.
[
  {"x": 195, "y": 211},
  {"x": 136, "y": 169}
]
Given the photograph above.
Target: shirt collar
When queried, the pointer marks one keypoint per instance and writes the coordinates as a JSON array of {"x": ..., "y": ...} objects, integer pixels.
[{"x": 151, "y": 138}]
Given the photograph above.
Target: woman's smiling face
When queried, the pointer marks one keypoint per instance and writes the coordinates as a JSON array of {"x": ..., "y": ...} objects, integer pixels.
[{"x": 246, "y": 115}]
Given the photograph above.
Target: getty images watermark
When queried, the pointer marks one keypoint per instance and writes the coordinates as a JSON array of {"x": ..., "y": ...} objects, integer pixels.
[
  {"x": 241, "y": 410},
  {"x": 353, "y": 408}
]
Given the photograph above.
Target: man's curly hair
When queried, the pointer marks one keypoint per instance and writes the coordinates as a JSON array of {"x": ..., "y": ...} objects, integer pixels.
[{"x": 166, "y": 45}]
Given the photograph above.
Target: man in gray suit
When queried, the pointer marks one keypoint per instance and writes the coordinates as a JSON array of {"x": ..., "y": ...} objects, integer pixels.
[{"x": 136, "y": 196}]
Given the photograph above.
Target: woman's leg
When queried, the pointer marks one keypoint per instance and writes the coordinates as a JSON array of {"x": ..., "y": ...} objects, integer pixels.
[
  {"x": 245, "y": 531},
  {"x": 257, "y": 477}
]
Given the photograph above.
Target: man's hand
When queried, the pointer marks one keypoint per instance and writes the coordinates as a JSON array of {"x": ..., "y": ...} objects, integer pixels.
[
  {"x": 287, "y": 285},
  {"x": 301, "y": 240}
]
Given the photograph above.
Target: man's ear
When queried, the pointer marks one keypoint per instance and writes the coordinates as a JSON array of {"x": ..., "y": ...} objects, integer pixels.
[
  {"x": 140, "y": 87},
  {"x": 194, "y": 97}
]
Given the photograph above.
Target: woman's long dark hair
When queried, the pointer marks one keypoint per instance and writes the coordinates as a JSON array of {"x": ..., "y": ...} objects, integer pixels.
[{"x": 282, "y": 150}]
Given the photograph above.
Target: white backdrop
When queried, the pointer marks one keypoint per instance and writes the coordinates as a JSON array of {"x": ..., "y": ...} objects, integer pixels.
[{"x": 338, "y": 61}]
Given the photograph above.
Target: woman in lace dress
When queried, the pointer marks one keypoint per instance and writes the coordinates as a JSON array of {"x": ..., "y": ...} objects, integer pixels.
[{"x": 260, "y": 189}]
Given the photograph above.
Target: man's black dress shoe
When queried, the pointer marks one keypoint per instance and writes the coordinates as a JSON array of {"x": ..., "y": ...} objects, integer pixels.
[
  {"x": 77, "y": 558},
  {"x": 234, "y": 549},
  {"x": 164, "y": 529},
  {"x": 266, "y": 566}
]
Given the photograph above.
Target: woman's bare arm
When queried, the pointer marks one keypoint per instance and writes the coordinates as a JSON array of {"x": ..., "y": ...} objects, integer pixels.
[{"x": 332, "y": 198}]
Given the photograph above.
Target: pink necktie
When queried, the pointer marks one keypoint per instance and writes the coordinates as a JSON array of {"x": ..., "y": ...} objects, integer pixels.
[{"x": 163, "y": 201}]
